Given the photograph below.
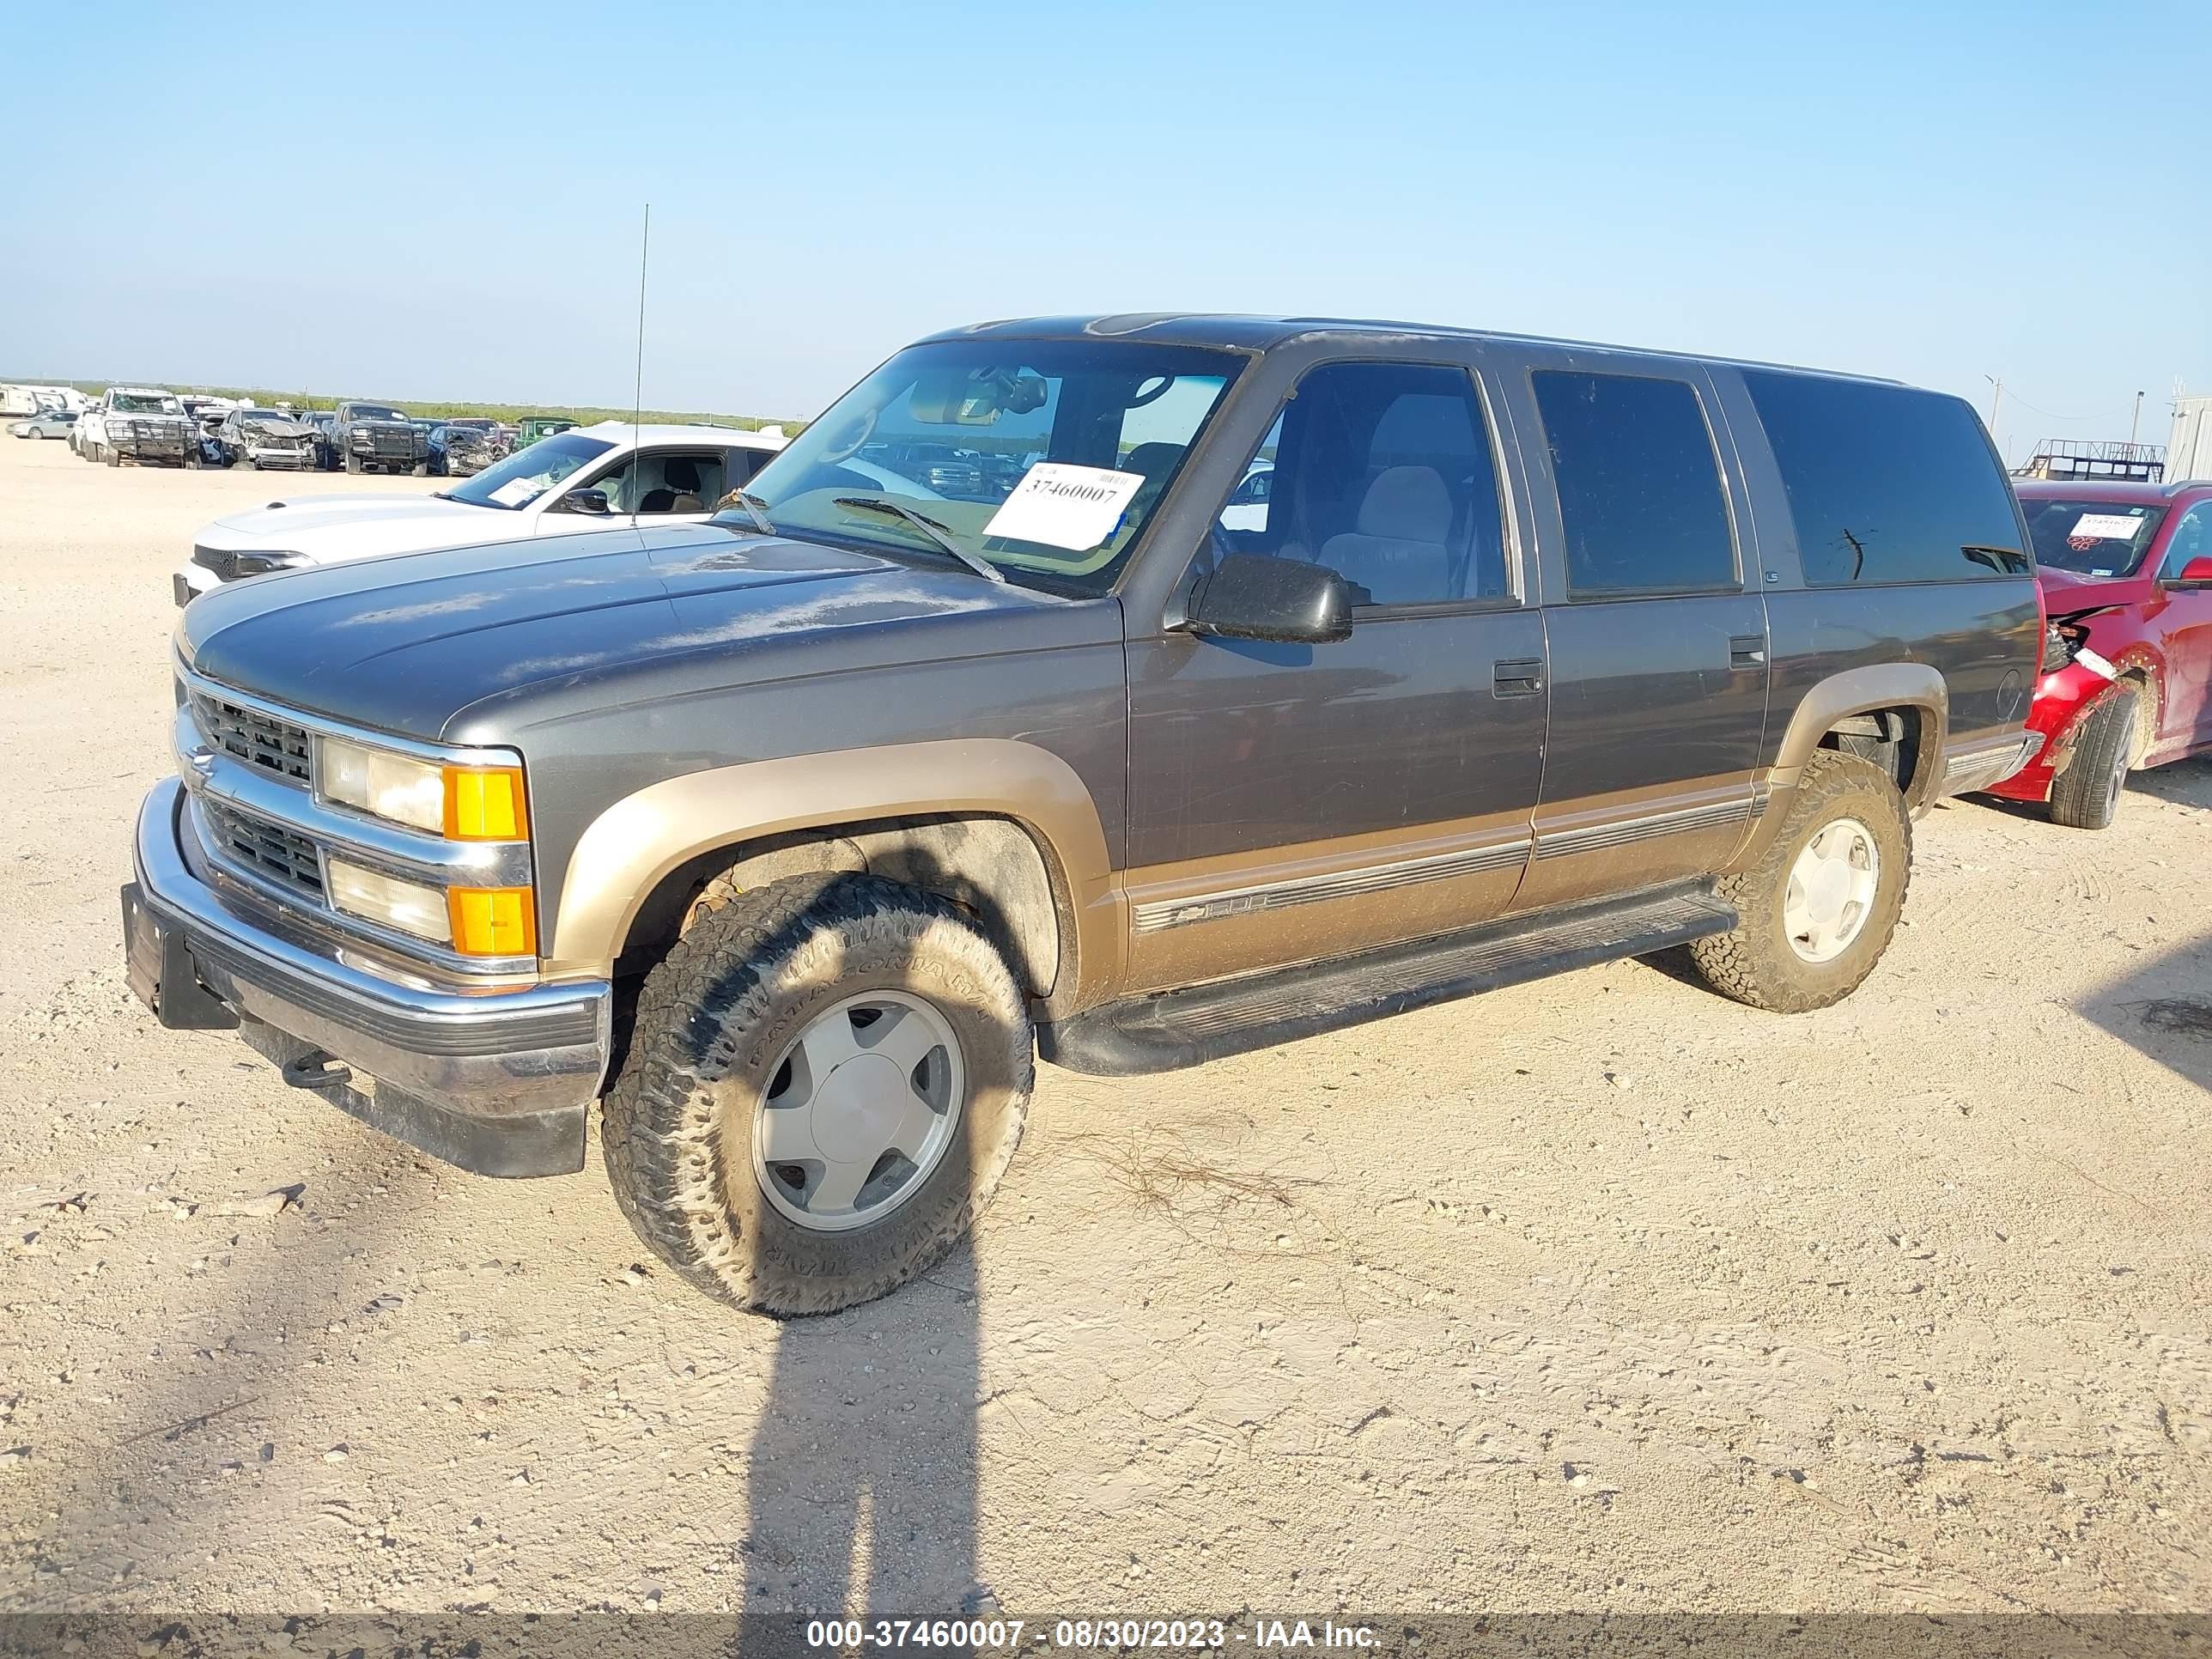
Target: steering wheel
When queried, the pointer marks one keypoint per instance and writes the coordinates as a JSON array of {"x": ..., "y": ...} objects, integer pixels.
[{"x": 867, "y": 424}]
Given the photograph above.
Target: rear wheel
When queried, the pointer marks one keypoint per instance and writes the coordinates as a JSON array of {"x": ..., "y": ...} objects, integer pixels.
[
  {"x": 1818, "y": 909},
  {"x": 827, "y": 1076},
  {"x": 2087, "y": 794}
]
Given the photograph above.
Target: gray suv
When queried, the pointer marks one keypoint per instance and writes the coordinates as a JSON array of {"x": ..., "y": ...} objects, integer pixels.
[{"x": 788, "y": 839}]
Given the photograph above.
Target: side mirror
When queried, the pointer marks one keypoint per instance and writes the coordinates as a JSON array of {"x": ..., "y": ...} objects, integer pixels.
[
  {"x": 2197, "y": 573},
  {"x": 586, "y": 501},
  {"x": 1250, "y": 596}
]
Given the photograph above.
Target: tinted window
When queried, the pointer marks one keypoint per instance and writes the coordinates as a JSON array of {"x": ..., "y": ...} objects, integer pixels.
[
  {"x": 1639, "y": 489},
  {"x": 1886, "y": 484},
  {"x": 2191, "y": 539},
  {"x": 1383, "y": 472}
]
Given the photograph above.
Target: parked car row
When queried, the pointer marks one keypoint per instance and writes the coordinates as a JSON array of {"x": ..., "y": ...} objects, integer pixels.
[{"x": 147, "y": 426}]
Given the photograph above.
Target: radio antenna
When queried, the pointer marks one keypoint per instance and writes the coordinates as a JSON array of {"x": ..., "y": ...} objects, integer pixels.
[{"x": 637, "y": 390}]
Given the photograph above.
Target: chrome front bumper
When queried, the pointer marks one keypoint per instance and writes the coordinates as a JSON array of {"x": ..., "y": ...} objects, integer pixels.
[{"x": 497, "y": 1080}]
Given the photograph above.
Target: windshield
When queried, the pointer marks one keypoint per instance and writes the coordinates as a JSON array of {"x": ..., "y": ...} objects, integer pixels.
[
  {"x": 1044, "y": 458},
  {"x": 525, "y": 475},
  {"x": 374, "y": 412},
  {"x": 130, "y": 403},
  {"x": 262, "y": 415},
  {"x": 2091, "y": 538}
]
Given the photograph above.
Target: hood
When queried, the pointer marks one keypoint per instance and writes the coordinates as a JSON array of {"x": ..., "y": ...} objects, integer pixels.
[
  {"x": 279, "y": 430},
  {"x": 457, "y": 644},
  {"x": 351, "y": 526},
  {"x": 2064, "y": 591}
]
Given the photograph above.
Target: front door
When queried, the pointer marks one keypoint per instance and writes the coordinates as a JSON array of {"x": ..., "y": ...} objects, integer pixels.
[
  {"x": 1658, "y": 650},
  {"x": 2183, "y": 618},
  {"x": 1288, "y": 803}
]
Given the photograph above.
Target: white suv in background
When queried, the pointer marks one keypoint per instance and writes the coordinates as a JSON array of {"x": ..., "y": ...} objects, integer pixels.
[{"x": 586, "y": 479}]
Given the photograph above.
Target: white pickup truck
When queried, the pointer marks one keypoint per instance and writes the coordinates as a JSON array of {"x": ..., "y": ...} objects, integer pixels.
[
  {"x": 590, "y": 477},
  {"x": 138, "y": 423}
]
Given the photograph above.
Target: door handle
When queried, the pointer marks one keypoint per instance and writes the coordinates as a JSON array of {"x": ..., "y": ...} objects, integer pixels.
[
  {"x": 1747, "y": 650},
  {"x": 1517, "y": 677}
]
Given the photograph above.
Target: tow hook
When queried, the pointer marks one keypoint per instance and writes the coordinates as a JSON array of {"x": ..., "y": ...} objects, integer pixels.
[{"x": 317, "y": 1069}]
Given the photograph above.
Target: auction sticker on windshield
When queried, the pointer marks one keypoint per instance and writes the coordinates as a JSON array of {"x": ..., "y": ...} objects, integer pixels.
[
  {"x": 1061, "y": 505},
  {"x": 2104, "y": 528},
  {"x": 515, "y": 491}
]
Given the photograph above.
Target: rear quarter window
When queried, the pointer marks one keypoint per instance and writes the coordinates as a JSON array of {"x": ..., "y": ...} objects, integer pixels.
[{"x": 1887, "y": 483}]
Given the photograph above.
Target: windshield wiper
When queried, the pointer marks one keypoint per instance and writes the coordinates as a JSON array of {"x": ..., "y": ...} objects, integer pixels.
[
  {"x": 929, "y": 527},
  {"x": 757, "y": 510}
]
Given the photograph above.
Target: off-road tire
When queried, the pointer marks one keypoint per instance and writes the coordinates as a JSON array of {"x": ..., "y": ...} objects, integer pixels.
[
  {"x": 1755, "y": 963},
  {"x": 2087, "y": 794},
  {"x": 718, "y": 1013},
  {"x": 112, "y": 455}
]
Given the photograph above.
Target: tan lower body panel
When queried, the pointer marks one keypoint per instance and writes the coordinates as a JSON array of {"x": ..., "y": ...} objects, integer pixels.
[
  {"x": 1638, "y": 838},
  {"x": 1208, "y": 918}
]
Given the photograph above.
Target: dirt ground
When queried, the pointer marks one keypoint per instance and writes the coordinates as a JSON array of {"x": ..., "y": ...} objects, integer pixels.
[{"x": 1602, "y": 1293}]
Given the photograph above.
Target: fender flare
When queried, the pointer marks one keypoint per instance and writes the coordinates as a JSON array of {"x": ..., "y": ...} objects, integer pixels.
[
  {"x": 1859, "y": 691},
  {"x": 633, "y": 845}
]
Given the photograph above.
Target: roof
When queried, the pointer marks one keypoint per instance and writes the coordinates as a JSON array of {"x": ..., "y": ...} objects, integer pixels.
[
  {"x": 1257, "y": 334},
  {"x": 2113, "y": 490},
  {"x": 666, "y": 432}
]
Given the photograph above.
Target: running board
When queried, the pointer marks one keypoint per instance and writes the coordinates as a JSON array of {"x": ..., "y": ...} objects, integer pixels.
[{"x": 1175, "y": 1028}]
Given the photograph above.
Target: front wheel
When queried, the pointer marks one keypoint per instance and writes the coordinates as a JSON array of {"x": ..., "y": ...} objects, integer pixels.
[
  {"x": 1817, "y": 910},
  {"x": 826, "y": 1078},
  {"x": 421, "y": 468},
  {"x": 2087, "y": 794},
  {"x": 353, "y": 463}
]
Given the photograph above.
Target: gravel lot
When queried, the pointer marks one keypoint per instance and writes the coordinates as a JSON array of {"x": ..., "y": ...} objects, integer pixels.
[{"x": 1601, "y": 1293}]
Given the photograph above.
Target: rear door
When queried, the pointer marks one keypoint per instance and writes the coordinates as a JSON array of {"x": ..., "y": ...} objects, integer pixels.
[
  {"x": 1658, "y": 642},
  {"x": 1289, "y": 802}
]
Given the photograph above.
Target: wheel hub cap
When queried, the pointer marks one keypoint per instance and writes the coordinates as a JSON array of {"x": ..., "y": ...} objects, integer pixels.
[
  {"x": 1831, "y": 890},
  {"x": 856, "y": 1111},
  {"x": 860, "y": 1108}
]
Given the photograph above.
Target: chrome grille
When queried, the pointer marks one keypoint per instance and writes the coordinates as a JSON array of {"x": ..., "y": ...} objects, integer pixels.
[
  {"x": 275, "y": 745},
  {"x": 267, "y": 850}
]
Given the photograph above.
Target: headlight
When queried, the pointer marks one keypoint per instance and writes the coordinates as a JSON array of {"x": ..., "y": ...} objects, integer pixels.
[
  {"x": 461, "y": 803},
  {"x": 385, "y": 785},
  {"x": 405, "y": 905},
  {"x": 476, "y": 921},
  {"x": 260, "y": 564}
]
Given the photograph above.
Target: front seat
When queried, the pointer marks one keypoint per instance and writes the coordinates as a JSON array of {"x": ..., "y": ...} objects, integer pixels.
[
  {"x": 1397, "y": 548},
  {"x": 680, "y": 494}
]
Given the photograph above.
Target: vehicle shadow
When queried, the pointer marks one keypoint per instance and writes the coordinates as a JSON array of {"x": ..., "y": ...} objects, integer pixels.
[
  {"x": 861, "y": 1475},
  {"x": 2163, "y": 1009},
  {"x": 2184, "y": 783}
]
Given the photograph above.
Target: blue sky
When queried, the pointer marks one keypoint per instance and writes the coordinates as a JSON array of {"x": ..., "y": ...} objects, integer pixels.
[{"x": 1936, "y": 192}]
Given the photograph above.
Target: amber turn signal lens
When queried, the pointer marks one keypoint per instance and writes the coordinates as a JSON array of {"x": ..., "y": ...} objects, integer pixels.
[
  {"x": 493, "y": 921},
  {"x": 485, "y": 804}
]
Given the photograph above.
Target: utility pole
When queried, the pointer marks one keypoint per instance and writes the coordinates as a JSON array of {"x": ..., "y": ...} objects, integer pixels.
[
  {"x": 2136, "y": 421},
  {"x": 1996, "y": 398}
]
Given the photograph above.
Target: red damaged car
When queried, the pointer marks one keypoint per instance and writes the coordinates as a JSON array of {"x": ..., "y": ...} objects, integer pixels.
[{"x": 2126, "y": 571}]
